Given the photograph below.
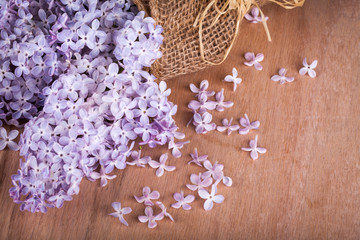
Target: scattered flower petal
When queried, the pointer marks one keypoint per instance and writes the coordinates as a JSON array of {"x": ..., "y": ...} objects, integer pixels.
[
  {"x": 120, "y": 212},
  {"x": 253, "y": 60},
  {"x": 309, "y": 68},
  {"x": 210, "y": 197},
  {"x": 161, "y": 165},
  {"x": 183, "y": 201},
  {"x": 227, "y": 126},
  {"x": 245, "y": 122},
  {"x": 234, "y": 78},
  {"x": 281, "y": 77},
  {"x": 147, "y": 196},
  {"x": 254, "y": 149}
]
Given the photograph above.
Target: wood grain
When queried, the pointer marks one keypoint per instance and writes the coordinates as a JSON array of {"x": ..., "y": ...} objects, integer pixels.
[{"x": 305, "y": 187}]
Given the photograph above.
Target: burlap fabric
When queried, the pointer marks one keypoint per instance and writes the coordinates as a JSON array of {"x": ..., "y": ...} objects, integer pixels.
[{"x": 181, "y": 48}]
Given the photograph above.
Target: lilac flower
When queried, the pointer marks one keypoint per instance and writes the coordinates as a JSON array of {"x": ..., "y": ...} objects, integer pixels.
[
  {"x": 137, "y": 160},
  {"x": 215, "y": 171},
  {"x": 102, "y": 176},
  {"x": 164, "y": 213},
  {"x": 5, "y": 73},
  {"x": 202, "y": 90},
  {"x": 198, "y": 182},
  {"x": 253, "y": 60},
  {"x": 161, "y": 165},
  {"x": 227, "y": 126},
  {"x": 60, "y": 198},
  {"x": 203, "y": 123},
  {"x": 202, "y": 105},
  {"x": 147, "y": 196},
  {"x": 234, "y": 78},
  {"x": 309, "y": 68},
  {"x": 150, "y": 218},
  {"x": 247, "y": 126},
  {"x": 175, "y": 147},
  {"x": 281, "y": 77},
  {"x": 120, "y": 212},
  {"x": 211, "y": 198},
  {"x": 197, "y": 159},
  {"x": 220, "y": 104},
  {"x": 183, "y": 201},
  {"x": 254, "y": 149},
  {"x": 254, "y": 16},
  {"x": 7, "y": 139}
]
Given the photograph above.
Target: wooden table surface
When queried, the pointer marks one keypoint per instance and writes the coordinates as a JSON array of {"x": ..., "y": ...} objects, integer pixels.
[{"x": 305, "y": 187}]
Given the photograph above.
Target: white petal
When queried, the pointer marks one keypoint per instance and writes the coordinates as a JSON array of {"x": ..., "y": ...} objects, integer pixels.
[
  {"x": 314, "y": 64},
  {"x": 312, "y": 73},
  {"x": 203, "y": 194},
  {"x": 218, "y": 198},
  {"x": 208, "y": 205},
  {"x": 303, "y": 71}
]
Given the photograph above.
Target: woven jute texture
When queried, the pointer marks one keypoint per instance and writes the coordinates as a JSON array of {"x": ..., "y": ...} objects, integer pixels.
[{"x": 181, "y": 53}]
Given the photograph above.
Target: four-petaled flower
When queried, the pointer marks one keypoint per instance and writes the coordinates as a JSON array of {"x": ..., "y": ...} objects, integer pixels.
[
  {"x": 161, "y": 165},
  {"x": 234, "y": 78},
  {"x": 147, "y": 196},
  {"x": 183, "y": 201},
  {"x": 254, "y": 149},
  {"x": 281, "y": 77},
  {"x": 197, "y": 159},
  {"x": 7, "y": 140},
  {"x": 120, "y": 212},
  {"x": 164, "y": 213},
  {"x": 220, "y": 104},
  {"x": 227, "y": 126},
  {"x": 210, "y": 197},
  {"x": 102, "y": 176},
  {"x": 150, "y": 218},
  {"x": 245, "y": 122},
  {"x": 138, "y": 160},
  {"x": 198, "y": 182},
  {"x": 203, "y": 123},
  {"x": 202, "y": 90},
  {"x": 253, "y": 60},
  {"x": 176, "y": 146},
  {"x": 309, "y": 68}
]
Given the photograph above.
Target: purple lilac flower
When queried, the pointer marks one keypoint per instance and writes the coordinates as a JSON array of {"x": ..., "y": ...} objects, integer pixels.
[{"x": 89, "y": 92}]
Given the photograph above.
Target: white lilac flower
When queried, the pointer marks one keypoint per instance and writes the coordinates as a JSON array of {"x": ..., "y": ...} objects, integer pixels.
[
  {"x": 196, "y": 159},
  {"x": 175, "y": 147},
  {"x": 120, "y": 212},
  {"x": 211, "y": 197},
  {"x": 220, "y": 103},
  {"x": 6, "y": 140},
  {"x": 161, "y": 167},
  {"x": 252, "y": 60},
  {"x": 150, "y": 218},
  {"x": 147, "y": 196},
  {"x": 202, "y": 90},
  {"x": 183, "y": 201},
  {"x": 198, "y": 182},
  {"x": 281, "y": 77},
  {"x": 203, "y": 123},
  {"x": 227, "y": 126},
  {"x": 254, "y": 149},
  {"x": 164, "y": 213},
  {"x": 102, "y": 176},
  {"x": 138, "y": 160},
  {"x": 247, "y": 125},
  {"x": 233, "y": 78},
  {"x": 309, "y": 68}
]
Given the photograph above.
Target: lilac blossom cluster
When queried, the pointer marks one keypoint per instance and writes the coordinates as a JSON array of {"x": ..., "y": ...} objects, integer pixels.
[
  {"x": 213, "y": 175},
  {"x": 102, "y": 101},
  {"x": 200, "y": 107}
]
